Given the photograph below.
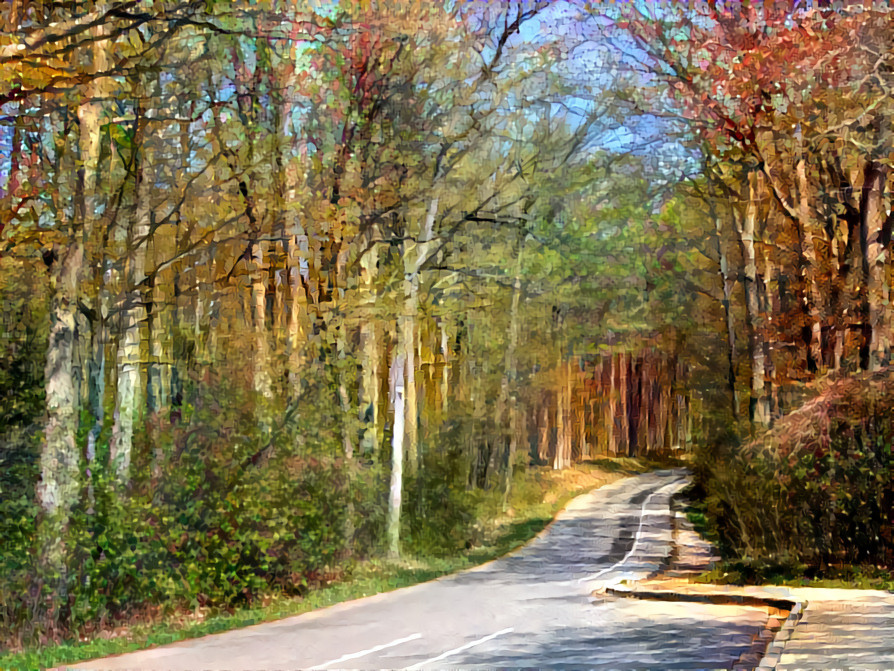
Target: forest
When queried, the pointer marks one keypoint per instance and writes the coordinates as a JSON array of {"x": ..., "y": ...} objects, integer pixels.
[{"x": 290, "y": 284}]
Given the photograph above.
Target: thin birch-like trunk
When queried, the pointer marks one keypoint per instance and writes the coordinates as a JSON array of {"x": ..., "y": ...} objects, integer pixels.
[
  {"x": 624, "y": 394},
  {"x": 133, "y": 317},
  {"x": 543, "y": 431},
  {"x": 414, "y": 256},
  {"x": 759, "y": 405},
  {"x": 728, "y": 282},
  {"x": 811, "y": 262},
  {"x": 408, "y": 335},
  {"x": 261, "y": 361},
  {"x": 397, "y": 382},
  {"x": 611, "y": 409},
  {"x": 509, "y": 386},
  {"x": 368, "y": 400},
  {"x": 298, "y": 315},
  {"x": 445, "y": 370}
]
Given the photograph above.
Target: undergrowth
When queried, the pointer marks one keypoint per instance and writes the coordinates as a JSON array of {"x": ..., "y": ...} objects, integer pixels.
[
  {"x": 536, "y": 496},
  {"x": 810, "y": 502}
]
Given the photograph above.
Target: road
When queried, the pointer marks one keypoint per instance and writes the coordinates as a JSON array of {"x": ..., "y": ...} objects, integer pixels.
[{"x": 532, "y": 608}]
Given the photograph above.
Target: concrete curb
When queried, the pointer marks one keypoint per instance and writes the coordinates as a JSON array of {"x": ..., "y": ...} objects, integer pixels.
[
  {"x": 714, "y": 598},
  {"x": 774, "y": 650},
  {"x": 792, "y": 607}
]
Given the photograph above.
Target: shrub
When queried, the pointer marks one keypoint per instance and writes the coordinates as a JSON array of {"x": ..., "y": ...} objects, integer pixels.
[
  {"x": 215, "y": 515},
  {"x": 440, "y": 510},
  {"x": 816, "y": 490}
]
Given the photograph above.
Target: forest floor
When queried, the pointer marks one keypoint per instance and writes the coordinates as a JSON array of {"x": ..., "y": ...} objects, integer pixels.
[{"x": 535, "y": 501}]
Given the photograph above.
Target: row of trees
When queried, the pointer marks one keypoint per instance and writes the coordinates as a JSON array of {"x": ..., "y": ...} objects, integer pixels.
[
  {"x": 254, "y": 251},
  {"x": 286, "y": 283},
  {"x": 789, "y": 107}
]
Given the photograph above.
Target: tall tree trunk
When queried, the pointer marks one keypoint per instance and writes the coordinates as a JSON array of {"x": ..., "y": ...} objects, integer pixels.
[
  {"x": 509, "y": 385},
  {"x": 839, "y": 266},
  {"x": 769, "y": 309},
  {"x": 564, "y": 428},
  {"x": 759, "y": 410},
  {"x": 261, "y": 358},
  {"x": 298, "y": 316},
  {"x": 728, "y": 282},
  {"x": 368, "y": 400},
  {"x": 349, "y": 415},
  {"x": 158, "y": 394},
  {"x": 624, "y": 396},
  {"x": 58, "y": 486},
  {"x": 612, "y": 408},
  {"x": 811, "y": 262},
  {"x": 408, "y": 335},
  {"x": 415, "y": 255},
  {"x": 97, "y": 376},
  {"x": 559, "y": 452},
  {"x": 650, "y": 402},
  {"x": 133, "y": 316},
  {"x": 874, "y": 298},
  {"x": 397, "y": 384},
  {"x": 543, "y": 430},
  {"x": 583, "y": 447},
  {"x": 635, "y": 383},
  {"x": 445, "y": 370},
  {"x": 664, "y": 392},
  {"x": 57, "y": 490}
]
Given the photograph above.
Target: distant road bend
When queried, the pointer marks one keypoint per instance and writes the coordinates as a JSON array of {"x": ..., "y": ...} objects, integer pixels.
[{"x": 532, "y": 608}]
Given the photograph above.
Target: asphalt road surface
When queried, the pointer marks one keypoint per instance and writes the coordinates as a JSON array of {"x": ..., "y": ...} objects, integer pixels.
[{"x": 533, "y": 608}]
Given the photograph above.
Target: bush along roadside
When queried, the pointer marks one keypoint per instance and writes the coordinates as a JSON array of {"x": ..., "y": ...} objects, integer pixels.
[
  {"x": 235, "y": 591},
  {"x": 812, "y": 500}
]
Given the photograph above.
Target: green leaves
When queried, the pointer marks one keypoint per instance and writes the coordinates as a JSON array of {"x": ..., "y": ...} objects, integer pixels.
[{"x": 122, "y": 136}]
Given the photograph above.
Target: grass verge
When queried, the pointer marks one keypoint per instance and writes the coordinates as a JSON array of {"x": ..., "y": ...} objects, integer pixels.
[
  {"x": 536, "y": 499},
  {"x": 837, "y": 577}
]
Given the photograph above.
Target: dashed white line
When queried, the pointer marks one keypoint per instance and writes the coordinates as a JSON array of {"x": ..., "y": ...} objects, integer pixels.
[
  {"x": 450, "y": 653},
  {"x": 636, "y": 539},
  {"x": 363, "y": 653}
]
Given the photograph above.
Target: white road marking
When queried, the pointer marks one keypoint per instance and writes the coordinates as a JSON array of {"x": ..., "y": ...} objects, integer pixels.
[
  {"x": 636, "y": 539},
  {"x": 450, "y": 653},
  {"x": 363, "y": 653}
]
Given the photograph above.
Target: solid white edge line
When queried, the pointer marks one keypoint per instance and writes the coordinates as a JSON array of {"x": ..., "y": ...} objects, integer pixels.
[
  {"x": 450, "y": 653},
  {"x": 363, "y": 653},
  {"x": 636, "y": 538}
]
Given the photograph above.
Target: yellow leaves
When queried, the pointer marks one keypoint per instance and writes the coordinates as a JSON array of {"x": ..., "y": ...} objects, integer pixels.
[{"x": 20, "y": 77}]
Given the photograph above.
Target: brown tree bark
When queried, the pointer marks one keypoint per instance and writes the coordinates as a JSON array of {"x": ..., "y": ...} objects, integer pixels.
[
  {"x": 874, "y": 291},
  {"x": 808, "y": 236},
  {"x": 759, "y": 410}
]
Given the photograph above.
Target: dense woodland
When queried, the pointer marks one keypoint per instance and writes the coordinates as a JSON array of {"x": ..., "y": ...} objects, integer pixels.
[{"x": 291, "y": 284}]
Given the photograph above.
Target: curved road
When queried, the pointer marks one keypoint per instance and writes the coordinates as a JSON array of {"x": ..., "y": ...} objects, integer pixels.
[{"x": 532, "y": 608}]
